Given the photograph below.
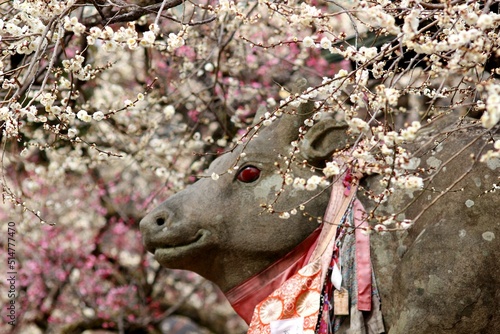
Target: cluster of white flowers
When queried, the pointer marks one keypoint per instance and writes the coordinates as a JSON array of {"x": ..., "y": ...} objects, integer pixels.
[
  {"x": 310, "y": 184},
  {"x": 363, "y": 55},
  {"x": 410, "y": 182},
  {"x": 299, "y": 16},
  {"x": 12, "y": 115},
  {"x": 24, "y": 31},
  {"x": 492, "y": 156},
  {"x": 148, "y": 38},
  {"x": 410, "y": 133},
  {"x": 358, "y": 125},
  {"x": 124, "y": 37},
  {"x": 410, "y": 27},
  {"x": 467, "y": 36},
  {"x": 331, "y": 169},
  {"x": 72, "y": 24},
  {"x": 175, "y": 41},
  {"x": 377, "y": 17},
  {"x": 268, "y": 119},
  {"x": 84, "y": 116},
  {"x": 76, "y": 67},
  {"x": 42, "y": 9}
]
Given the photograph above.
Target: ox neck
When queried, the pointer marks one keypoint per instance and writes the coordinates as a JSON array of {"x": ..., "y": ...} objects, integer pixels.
[{"x": 245, "y": 296}]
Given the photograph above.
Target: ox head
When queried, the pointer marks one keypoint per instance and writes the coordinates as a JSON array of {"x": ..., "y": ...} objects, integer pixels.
[{"x": 219, "y": 228}]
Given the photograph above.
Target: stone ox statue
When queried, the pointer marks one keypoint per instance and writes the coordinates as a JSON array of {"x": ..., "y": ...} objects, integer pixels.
[{"x": 440, "y": 276}]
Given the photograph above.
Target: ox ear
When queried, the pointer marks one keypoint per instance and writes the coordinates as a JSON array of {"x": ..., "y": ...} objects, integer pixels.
[{"x": 322, "y": 140}]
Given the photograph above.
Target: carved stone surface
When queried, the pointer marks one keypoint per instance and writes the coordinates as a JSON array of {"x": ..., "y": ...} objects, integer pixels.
[{"x": 443, "y": 275}]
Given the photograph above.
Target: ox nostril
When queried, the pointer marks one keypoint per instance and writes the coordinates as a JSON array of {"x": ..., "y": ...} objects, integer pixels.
[{"x": 160, "y": 221}]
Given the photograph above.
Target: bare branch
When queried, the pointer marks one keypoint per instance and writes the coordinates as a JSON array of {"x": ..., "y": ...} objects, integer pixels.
[{"x": 140, "y": 11}]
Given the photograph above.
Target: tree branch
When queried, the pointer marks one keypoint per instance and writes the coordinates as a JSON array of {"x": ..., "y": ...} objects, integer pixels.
[{"x": 140, "y": 11}]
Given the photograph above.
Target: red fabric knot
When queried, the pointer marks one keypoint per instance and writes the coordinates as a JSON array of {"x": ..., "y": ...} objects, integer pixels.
[{"x": 349, "y": 180}]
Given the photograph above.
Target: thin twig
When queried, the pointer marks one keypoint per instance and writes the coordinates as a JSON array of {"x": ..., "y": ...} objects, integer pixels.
[
  {"x": 51, "y": 62},
  {"x": 28, "y": 77},
  {"x": 157, "y": 20}
]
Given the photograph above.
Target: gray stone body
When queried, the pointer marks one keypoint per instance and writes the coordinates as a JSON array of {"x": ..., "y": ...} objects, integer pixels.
[{"x": 440, "y": 276}]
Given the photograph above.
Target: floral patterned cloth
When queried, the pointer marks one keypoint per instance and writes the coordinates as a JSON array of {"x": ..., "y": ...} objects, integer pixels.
[
  {"x": 304, "y": 303},
  {"x": 298, "y": 297},
  {"x": 294, "y": 308}
]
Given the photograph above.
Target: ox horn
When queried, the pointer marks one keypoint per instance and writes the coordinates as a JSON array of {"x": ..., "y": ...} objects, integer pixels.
[{"x": 293, "y": 118}]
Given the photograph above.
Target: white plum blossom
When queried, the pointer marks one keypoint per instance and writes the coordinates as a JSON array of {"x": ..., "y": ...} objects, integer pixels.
[
  {"x": 95, "y": 32},
  {"x": 308, "y": 42},
  {"x": 412, "y": 183},
  {"x": 357, "y": 125},
  {"x": 485, "y": 21},
  {"x": 365, "y": 53},
  {"x": 98, "y": 116},
  {"x": 390, "y": 138},
  {"x": 267, "y": 122},
  {"x": 169, "y": 112},
  {"x": 411, "y": 22},
  {"x": 84, "y": 116},
  {"x": 299, "y": 183},
  {"x": 410, "y": 133},
  {"x": 380, "y": 228},
  {"x": 313, "y": 182},
  {"x": 406, "y": 224},
  {"x": 326, "y": 43},
  {"x": 4, "y": 113},
  {"x": 209, "y": 67},
  {"x": 109, "y": 46},
  {"x": 284, "y": 215},
  {"x": 332, "y": 168},
  {"x": 392, "y": 96},
  {"x": 148, "y": 38},
  {"x": 47, "y": 99},
  {"x": 72, "y": 24},
  {"x": 386, "y": 150},
  {"x": 132, "y": 43},
  {"x": 389, "y": 221},
  {"x": 175, "y": 41},
  {"x": 72, "y": 133},
  {"x": 91, "y": 40}
]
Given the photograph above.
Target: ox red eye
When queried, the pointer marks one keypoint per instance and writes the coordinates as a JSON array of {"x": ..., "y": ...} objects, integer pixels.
[{"x": 248, "y": 174}]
